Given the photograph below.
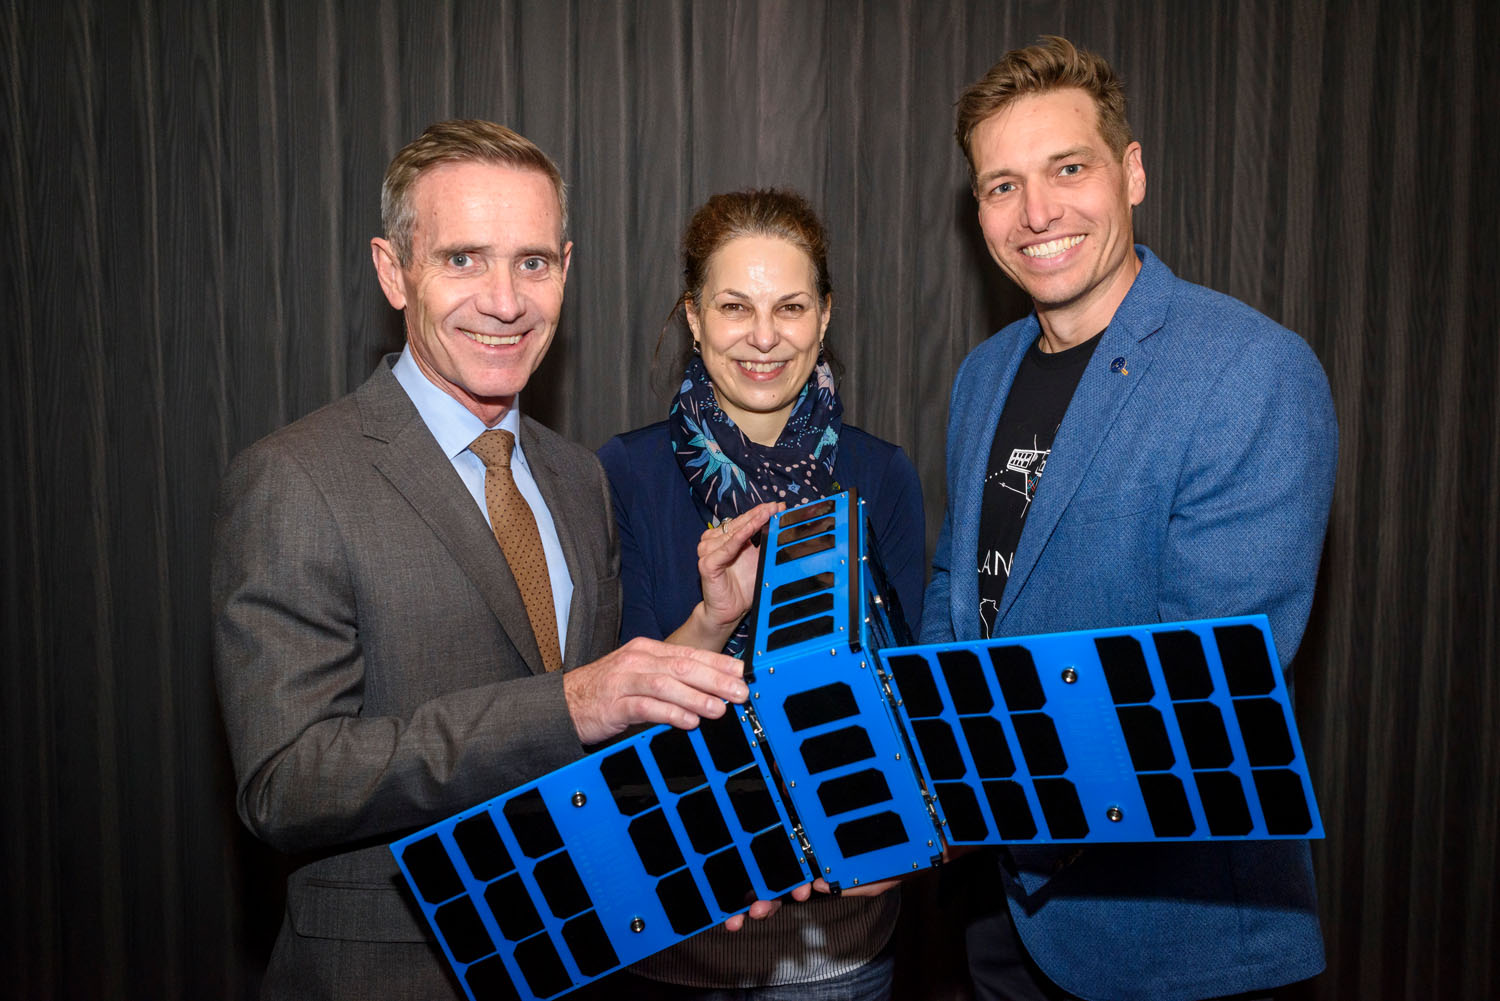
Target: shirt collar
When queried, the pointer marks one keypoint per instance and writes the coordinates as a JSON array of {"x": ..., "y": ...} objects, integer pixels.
[{"x": 451, "y": 423}]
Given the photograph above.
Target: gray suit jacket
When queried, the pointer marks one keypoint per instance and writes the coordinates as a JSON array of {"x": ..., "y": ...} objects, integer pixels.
[{"x": 376, "y": 669}]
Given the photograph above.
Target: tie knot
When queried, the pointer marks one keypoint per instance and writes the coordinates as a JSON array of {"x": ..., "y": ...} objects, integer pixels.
[{"x": 494, "y": 447}]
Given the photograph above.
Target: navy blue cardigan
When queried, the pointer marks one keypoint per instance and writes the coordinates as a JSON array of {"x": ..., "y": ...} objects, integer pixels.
[{"x": 660, "y": 524}]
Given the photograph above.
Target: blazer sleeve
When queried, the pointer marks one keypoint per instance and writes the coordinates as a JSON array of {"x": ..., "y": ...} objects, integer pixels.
[
  {"x": 900, "y": 529},
  {"x": 638, "y": 582},
  {"x": 938, "y": 625},
  {"x": 937, "y": 619},
  {"x": 1246, "y": 528},
  {"x": 321, "y": 758}
]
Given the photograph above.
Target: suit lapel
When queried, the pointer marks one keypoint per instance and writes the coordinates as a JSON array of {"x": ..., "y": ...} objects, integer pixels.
[
  {"x": 417, "y": 468},
  {"x": 1101, "y": 394},
  {"x": 562, "y": 502}
]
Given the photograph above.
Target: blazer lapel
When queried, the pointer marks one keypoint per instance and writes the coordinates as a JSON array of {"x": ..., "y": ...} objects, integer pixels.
[
  {"x": 417, "y": 468},
  {"x": 1119, "y": 363},
  {"x": 562, "y": 500}
]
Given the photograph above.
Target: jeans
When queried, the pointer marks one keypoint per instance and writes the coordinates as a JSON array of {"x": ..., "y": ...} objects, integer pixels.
[{"x": 1001, "y": 970}]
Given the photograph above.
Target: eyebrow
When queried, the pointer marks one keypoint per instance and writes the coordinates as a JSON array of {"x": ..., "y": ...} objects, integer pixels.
[
  {"x": 443, "y": 253},
  {"x": 746, "y": 296},
  {"x": 1076, "y": 153},
  {"x": 550, "y": 253}
]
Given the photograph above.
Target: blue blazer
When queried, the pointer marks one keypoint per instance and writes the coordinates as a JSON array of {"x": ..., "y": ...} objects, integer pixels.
[{"x": 1190, "y": 478}]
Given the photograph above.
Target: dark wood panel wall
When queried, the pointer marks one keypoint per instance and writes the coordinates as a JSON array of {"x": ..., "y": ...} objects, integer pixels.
[{"x": 186, "y": 195}]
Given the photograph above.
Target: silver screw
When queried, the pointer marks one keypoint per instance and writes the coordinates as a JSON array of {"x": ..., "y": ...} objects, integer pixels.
[
  {"x": 637, "y": 925},
  {"x": 1069, "y": 675},
  {"x": 579, "y": 798},
  {"x": 1115, "y": 814}
]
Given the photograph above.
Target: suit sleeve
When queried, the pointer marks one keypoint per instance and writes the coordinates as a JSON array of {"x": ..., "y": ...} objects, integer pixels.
[
  {"x": 901, "y": 533},
  {"x": 314, "y": 768},
  {"x": 1246, "y": 529},
  {"x": 937, "y": 620},
  {"x": 937, "y": 604},
  {"x": 638, "y": 585}
]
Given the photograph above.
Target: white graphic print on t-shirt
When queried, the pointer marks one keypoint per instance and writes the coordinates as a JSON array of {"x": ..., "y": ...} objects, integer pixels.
[{"x": 1022, "y": 474}]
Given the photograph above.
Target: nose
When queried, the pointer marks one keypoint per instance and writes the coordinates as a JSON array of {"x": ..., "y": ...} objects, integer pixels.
[
  {"x": 764, "y": 335},
  {"x": 500, "y": 298},
  {"x": 1039, "y": 210}
]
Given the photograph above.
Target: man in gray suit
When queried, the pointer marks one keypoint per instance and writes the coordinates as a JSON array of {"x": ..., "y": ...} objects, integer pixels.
[{"x": 377, "y": 666}]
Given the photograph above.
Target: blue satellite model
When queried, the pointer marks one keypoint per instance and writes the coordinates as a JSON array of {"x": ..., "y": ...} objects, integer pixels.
[{"x": 857, "y": 757}]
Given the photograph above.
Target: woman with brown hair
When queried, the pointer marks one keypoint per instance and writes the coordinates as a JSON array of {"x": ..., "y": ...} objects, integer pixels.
[{"x": 756, "y": 423}]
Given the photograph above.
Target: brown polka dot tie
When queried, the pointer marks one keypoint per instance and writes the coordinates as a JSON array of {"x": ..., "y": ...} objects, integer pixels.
[{"x": 515, "y": 530}]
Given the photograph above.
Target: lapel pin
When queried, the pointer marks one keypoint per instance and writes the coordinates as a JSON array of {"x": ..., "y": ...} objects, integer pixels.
[{"x": 1118, "y": 365}]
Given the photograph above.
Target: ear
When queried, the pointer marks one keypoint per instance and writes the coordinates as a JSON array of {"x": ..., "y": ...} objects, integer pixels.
[
  {"x": 388, "y": 270},
  {"x": 1135, "y": 173},
  {"x": 567, "y": 259},
  {"x": 690, "y": 310}
]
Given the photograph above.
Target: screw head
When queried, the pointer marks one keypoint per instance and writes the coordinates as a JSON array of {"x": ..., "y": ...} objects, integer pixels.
[
  {"x": 1115, "y": 814},
  {"x": 579, "y": 798},
  {"x": 1069, "y": 675},
  {"x": 637, "y": 925}
]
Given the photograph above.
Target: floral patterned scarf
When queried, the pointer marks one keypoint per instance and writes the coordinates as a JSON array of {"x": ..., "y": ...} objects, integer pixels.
[{"x": 729, "y": 474}]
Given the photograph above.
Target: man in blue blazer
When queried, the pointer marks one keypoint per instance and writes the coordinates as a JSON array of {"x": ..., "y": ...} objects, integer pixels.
[{"x": 1138, "y": 449}]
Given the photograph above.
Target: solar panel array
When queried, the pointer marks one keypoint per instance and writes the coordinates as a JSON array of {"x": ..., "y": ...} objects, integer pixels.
[
  {"x": 855, "y": 758},
  {"x": 1178, "y": 731},
  {"x": 603, "y": 862}
]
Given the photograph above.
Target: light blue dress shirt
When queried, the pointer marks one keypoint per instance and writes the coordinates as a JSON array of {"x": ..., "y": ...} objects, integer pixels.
[{"x": 455, "y": 427}]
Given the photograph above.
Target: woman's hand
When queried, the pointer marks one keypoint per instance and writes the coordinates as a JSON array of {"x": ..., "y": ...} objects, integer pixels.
[{"x": 727, "y": 560}]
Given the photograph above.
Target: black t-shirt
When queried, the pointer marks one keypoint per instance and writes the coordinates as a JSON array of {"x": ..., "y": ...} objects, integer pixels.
[{"x": 1038, "y": 399}]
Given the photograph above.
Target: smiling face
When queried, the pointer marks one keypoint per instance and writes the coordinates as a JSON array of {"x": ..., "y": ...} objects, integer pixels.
[
  {"x": 1055, "y": 207},
  {"x": 483, "y": 290},
  {"x": 758, "y": 327}
]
